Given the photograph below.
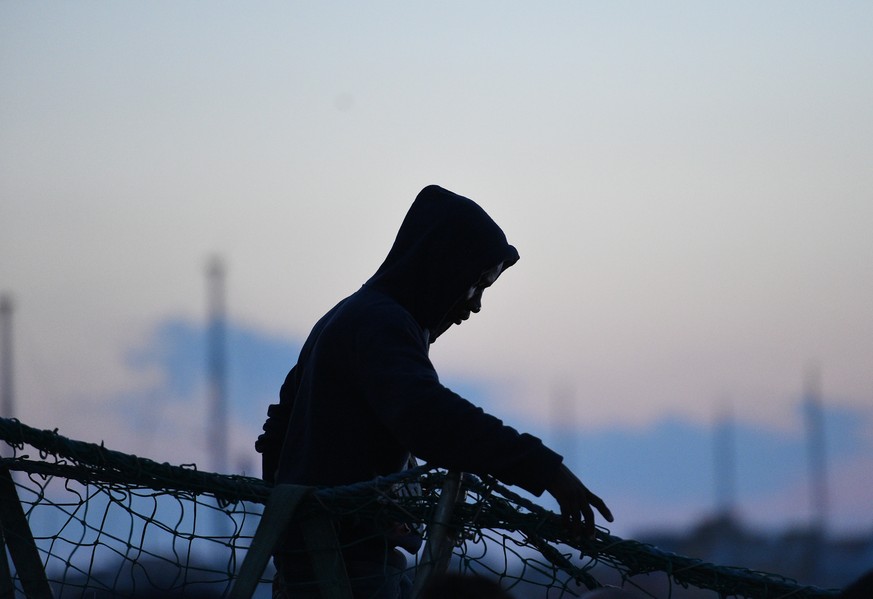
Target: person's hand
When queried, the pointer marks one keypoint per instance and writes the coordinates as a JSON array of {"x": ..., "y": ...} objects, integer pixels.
[{"x": 576, "y": 501}]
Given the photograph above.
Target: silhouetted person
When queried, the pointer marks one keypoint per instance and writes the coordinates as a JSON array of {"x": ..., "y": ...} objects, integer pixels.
[{"x": 364, "y": 394}]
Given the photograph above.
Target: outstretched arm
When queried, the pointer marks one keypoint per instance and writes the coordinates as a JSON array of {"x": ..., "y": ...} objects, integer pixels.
[{"x": 576, "y": 502}]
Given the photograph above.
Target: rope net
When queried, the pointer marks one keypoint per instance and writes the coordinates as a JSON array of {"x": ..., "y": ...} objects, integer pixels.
[{"x": 109, "y": 524}]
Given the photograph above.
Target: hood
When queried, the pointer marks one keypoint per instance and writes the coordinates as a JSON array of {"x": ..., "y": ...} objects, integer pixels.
[{"x": 444, "y": 245}]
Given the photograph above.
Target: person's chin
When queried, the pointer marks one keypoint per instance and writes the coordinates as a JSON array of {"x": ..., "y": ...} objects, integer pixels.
[{"x": 440, "y": 330}]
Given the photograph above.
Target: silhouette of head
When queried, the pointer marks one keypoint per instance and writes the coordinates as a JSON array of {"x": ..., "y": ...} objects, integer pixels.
[{"x": 441, "y": 259}]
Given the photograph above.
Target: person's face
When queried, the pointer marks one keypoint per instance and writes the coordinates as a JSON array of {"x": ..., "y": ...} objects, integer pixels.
[{"x": 472, "y": 302}]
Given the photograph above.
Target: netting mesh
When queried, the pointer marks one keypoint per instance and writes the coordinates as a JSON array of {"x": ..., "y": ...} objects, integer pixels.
[{"x": 108, "y": 524}]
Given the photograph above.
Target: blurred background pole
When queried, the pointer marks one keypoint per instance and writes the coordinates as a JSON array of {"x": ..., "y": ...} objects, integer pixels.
[
  {"x": 725, "y": 464},
  {"x": 563, "y": 421},
  {"x": 817, "y": 459},
  {"x": 7, "y": 401},
  {"x": 818, "y": 486},
  {"x": 216, "y": 366}
]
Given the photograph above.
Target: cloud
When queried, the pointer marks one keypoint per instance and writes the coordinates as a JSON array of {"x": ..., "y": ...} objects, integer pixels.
[
  {"x": 257, "y": 361},
  {"x": 166, "y": 417}
]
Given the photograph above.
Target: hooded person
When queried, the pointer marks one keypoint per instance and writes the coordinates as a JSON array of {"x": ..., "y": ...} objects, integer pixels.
[{"x": 364, "y": 395}]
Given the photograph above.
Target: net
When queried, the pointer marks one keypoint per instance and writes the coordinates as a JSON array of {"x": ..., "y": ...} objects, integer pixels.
[{"x": 110, "y": 524}]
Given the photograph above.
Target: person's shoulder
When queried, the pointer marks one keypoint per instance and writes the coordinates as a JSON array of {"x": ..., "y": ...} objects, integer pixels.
[
  {"x": 378, "y": 314},
  {"x": 374, "y": 303}
]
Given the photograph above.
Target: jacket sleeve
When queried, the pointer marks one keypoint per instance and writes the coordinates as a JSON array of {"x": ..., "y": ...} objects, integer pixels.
[{"x": 436, "y": 424}]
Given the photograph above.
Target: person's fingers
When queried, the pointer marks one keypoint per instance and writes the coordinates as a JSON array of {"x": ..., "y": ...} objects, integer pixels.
[
  {"x": 588, "y": 515},
  {"x": 579, "y": 525},
  {"x": 565, "y": 517},
  {"x": 601, "y": 507},
  {"x": 570, "y": 516}
]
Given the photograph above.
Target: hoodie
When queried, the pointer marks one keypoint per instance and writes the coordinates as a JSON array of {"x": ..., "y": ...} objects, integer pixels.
[{"x": 364, "y": 394}]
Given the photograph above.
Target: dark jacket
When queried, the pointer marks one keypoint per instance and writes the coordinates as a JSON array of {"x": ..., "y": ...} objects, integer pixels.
[{"x": 364, "y": 393}]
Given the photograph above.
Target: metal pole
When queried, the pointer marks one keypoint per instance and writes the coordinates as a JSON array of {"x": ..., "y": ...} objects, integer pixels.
[
  {"x": 217, "y": 432},
  {"x": 817, "y": 458},
  {"x": 438, "y": 549},
  {"x": 818, "y": 494},
  {"x": 563, "y": 420},
  {"x": 725, "y": 465},
  {"x": 7, "y": 402},
  {"x": 19, "y": 540}
]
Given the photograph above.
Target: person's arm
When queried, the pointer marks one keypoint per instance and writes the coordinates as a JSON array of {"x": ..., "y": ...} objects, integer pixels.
[
  {"x": 448, "y": 431},
  {"x": 436, "y": 424}
]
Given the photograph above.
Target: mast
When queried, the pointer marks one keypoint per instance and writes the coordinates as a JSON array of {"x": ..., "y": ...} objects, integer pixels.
[
  {"x": 815, "y": 434},
  {"x": 815, "y": 558},
  {"x": 7, "y": 400},
  {"x": 725, "y": 464},
  {"x": 216, "y": 365},
  {"x": 563, "y": 420}
]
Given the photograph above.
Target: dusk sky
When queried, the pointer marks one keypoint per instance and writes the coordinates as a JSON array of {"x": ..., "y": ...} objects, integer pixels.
[{"x": 689, "y": 185}]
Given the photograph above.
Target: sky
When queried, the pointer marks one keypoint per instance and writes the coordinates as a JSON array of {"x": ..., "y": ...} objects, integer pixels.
[{"x": 688, "y": 185}]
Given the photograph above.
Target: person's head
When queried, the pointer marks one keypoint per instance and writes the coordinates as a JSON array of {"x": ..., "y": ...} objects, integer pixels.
[{"x": 447, "y": 251}]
